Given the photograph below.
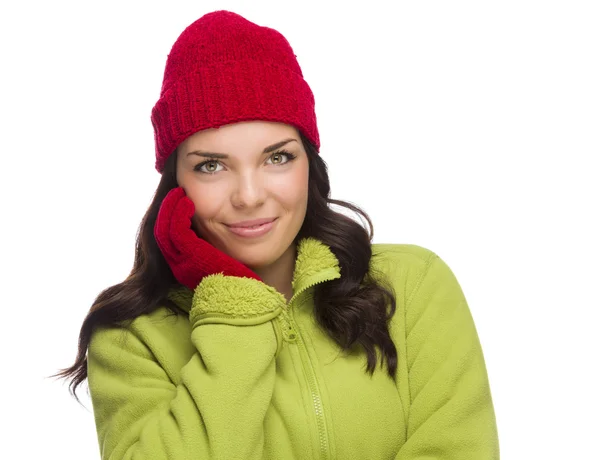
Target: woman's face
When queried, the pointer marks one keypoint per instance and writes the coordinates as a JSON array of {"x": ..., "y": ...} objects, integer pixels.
[{"x": 246, "y": 182}]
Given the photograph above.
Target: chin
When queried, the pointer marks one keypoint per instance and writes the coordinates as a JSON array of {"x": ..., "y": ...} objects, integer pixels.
[{"x": 255, "y": 262}]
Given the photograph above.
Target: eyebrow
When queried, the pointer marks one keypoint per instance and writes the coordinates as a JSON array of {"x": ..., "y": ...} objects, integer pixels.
[{"x": 268, "y": 149}]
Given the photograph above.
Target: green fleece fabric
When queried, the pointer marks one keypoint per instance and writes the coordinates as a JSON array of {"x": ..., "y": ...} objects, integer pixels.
[{"x": 248, "y": 376}]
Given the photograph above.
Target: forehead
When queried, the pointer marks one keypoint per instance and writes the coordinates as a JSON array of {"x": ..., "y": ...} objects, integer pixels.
[{"x": 240, "y": 137}]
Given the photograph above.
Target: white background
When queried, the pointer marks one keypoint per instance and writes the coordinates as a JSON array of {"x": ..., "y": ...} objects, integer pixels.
[{"x": 471, "y": 128}]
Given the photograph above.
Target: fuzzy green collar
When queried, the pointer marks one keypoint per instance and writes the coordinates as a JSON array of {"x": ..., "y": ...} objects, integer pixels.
[{"x": 315, "y": 262}]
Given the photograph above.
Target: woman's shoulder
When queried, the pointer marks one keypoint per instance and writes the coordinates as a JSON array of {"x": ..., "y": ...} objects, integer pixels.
[
  {"x": 407, "y": 266},
  {"x": 398, "y": 258},
  {"x": 146, "y": 332}
]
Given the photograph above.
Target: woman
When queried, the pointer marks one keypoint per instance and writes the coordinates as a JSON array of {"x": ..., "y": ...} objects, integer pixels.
[{"x": 245, "y": 325}]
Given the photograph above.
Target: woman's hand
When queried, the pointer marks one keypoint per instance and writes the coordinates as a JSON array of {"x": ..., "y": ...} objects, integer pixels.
[{"x": 191, "y": 258}]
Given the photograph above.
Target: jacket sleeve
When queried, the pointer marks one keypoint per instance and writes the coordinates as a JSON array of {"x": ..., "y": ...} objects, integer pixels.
[
  {"x": 451, "y": 415},
  {"x": 218, "y": 408}
]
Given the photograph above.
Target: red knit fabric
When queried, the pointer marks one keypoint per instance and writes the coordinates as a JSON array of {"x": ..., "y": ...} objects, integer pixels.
[{"x": 223, "y": 69}]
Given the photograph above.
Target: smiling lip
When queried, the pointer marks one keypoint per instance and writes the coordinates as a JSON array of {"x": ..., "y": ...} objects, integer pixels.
[
  {"x": 253, "y": 232},
  {"x": 251, "y": 223}
]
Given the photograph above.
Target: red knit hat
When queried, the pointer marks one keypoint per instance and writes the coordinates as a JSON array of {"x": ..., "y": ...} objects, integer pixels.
[{"x": 223, "y": 69}]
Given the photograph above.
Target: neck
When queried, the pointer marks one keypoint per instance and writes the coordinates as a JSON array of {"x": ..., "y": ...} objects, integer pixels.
[{"x": 280, "y": 273}]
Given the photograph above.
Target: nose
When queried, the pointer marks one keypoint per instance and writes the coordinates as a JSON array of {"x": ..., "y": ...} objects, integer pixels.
[{"x": 249, "y": 191}]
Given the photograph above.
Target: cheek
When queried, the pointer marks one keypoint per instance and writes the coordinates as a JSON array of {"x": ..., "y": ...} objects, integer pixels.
[
  {"x": 293, "y": 191},
  {"x": 208, "y": 202}
]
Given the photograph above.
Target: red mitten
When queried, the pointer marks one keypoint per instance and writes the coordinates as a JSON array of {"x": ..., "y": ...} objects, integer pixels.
[{"x": 191, "y": 258}]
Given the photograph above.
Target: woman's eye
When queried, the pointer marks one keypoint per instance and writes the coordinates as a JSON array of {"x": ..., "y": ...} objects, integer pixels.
[
  {"x": 210, "y": 167},
  {"x": 278, "y": 157}
]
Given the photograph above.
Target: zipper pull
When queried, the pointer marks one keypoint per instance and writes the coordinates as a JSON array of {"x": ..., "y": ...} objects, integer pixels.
[{"x": 287, "y": 327}]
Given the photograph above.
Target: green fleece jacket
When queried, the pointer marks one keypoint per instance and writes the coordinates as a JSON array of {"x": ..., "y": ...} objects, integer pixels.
[{"x": 246, "y": 375}]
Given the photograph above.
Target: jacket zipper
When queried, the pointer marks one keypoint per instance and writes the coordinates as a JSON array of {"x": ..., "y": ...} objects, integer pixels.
[{"x": 314, "y": 388}]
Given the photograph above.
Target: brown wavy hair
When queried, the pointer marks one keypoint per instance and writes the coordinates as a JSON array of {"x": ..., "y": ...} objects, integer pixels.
[{"x": 352, "y": 309}]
